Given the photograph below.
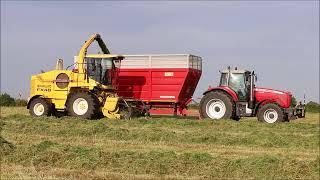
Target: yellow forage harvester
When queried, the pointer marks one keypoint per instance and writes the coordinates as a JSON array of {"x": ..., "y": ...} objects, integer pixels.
[{"x": 87, "y": 91}]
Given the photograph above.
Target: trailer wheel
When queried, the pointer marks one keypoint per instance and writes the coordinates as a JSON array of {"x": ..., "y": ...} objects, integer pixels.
[
  {"x": 270, "y": 113},
  {"x": 216, "y": 105},
  {"x": 40, "y": 107},
  {"x": 83, "y": 105}
]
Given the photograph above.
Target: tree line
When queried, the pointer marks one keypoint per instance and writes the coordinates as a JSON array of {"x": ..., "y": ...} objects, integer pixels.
[{"x": 7, "y": 100}]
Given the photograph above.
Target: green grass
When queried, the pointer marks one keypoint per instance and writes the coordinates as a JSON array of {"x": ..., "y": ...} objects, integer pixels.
[{"x": 157, "y": 148}]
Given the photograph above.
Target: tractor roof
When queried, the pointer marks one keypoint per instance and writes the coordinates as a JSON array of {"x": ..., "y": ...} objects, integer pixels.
[{"x": 241, "y": 71}]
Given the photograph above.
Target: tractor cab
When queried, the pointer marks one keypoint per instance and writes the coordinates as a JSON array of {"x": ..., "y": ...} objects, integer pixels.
[{"x": 239, "y": 81}]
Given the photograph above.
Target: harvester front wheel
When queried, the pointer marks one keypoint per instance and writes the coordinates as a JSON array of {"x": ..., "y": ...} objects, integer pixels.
[
  {"x": 40, "y": 107},
  {"x": 83, "y": 105},
  {"x": 216, "y": 105}
]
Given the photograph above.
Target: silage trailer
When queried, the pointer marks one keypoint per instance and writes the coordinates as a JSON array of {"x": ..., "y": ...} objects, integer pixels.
[{"x": 164, "y": 83}]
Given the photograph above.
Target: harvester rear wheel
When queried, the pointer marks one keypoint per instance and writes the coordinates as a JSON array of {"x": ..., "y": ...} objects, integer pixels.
[
  {"x": 83, "y": 105},
  {"x": 40, "y": 107},
  {"x": 270, "y": 113},
  {"x": 216, "y": 105}
]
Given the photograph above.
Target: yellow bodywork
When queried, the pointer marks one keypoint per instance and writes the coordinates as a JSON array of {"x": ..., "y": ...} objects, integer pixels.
[
  {"x": 110, "y": 108},
  {"x": 47, "y": 85}
]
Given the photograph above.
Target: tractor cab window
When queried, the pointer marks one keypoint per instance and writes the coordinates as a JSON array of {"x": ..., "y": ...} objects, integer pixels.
[
  {"x": 238, "y": 84},
  {"x": 224, "y": 79},
  {"x": 99, "y": 69}
]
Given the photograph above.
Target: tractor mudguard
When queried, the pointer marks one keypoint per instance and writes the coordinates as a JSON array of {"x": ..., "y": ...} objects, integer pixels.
[{"x": 225, "y": 89}]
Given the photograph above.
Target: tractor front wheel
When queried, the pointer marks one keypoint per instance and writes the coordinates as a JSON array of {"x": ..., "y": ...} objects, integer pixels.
[
  {"x": 83, "y": 105},
  {"x": 270, "y": 113},
  {"x": 216, "y": 105},
  {"x": 40, "y": 107}
]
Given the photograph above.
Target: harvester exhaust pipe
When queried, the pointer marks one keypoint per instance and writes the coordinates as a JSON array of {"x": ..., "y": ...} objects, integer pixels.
[
  {"x": 251, "y": 100},
  {"x": 59, "y": 65}
]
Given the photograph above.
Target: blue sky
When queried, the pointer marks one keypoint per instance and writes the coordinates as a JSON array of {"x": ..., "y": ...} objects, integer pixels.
[{"x": 279, "y": 40}]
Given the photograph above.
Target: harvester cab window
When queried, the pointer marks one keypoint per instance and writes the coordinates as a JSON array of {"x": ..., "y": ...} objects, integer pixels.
[
  {"x": 99, "y": 69},
  {"x": 238, "y": 84},
  {"x": 107, "y": 66}
]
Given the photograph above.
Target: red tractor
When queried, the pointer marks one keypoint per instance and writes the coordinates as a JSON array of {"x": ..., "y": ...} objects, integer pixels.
[{"x": 237, "y": 96}]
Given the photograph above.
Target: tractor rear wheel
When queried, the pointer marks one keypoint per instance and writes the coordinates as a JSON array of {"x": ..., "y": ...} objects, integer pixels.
[
  {"x": 270, "y": 113},
  {"x": 83, "y": 105},
  {"x": 40, "y": 107},
  {"x": 216, "y": 105}
]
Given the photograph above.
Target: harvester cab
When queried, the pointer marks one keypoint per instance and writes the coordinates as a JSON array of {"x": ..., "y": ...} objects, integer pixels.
[
  {"x": 88, "y": 91},
  {"x": 237, "y": 96},
  {"x": 102, "y": 68}
]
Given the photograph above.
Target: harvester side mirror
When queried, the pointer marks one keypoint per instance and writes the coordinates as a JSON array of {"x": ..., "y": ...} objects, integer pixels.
[
  {"x": 255, "y": 78},
  {"x": 120, "y": 58}
]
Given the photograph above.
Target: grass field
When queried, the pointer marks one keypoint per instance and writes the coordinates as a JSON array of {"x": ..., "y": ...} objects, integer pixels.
[{"x": 157, "y": 148}]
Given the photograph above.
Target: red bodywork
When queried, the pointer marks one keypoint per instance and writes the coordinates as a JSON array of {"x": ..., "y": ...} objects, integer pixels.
[
  {"x": 282, "y": 98},
  {"x": 262, "y": 95},
  {"x": 159, "y": 88}
]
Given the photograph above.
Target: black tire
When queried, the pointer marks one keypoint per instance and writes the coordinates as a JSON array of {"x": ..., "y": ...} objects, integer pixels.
[
  {"x": 58, "y": 114},
  {"x": 271, "y": 113},
  {"x": 221, "y": 98},
  {"x": 236, "y": 118},
  {"x": 89, "y": 112},
  {"x": 40, "y": 107},
  {"x": 302, "y": 113}
]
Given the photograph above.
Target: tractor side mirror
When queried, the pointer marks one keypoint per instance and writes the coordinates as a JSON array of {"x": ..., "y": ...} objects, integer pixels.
[
  {"x": 255, "y": 76},
  {"x": 247, "y": 76}
]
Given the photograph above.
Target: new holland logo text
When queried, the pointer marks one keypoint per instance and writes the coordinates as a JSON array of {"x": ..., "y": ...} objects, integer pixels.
[{"x": 45, "y": 88}]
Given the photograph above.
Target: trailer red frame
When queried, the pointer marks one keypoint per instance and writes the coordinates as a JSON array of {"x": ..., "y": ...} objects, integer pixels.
[{"x": 165, "y": 83}]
